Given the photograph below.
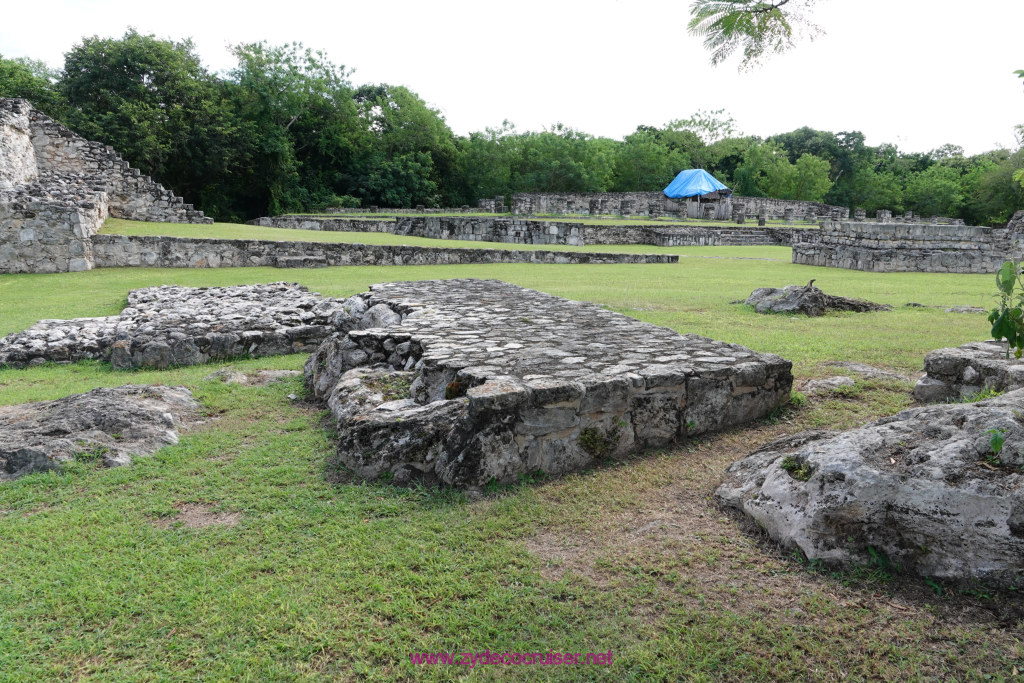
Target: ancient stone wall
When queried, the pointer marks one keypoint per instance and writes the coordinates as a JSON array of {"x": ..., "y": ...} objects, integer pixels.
[
  {"x": 327, "y": 224},
  {"x": 112, "y": 251},
  {"x": 526, "y": 231},
  {"x": 895, "y": 247},
  {"x": 56, "y": 189},
  {"x": 40, "y": 237},
  {"x": 656, "y": 203}
]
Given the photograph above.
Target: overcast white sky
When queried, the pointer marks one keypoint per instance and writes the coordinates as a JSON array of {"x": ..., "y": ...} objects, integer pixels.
[{"x": 917, "y": 73}]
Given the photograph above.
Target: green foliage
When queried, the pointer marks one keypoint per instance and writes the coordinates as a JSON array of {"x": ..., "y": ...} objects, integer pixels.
[
  {"x": 35, "y": 82},
  {"x": 798, "y": 469},
  {"x": 936, "y": 191},
  {"x": 996, "y": 439},
  {"x": 1008, "y": 318},
  {"x": 754, "y": 27},
  {"x": 597, "y": 443}
]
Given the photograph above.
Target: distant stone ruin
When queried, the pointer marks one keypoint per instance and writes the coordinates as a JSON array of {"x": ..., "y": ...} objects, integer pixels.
[
  {"x": 909, "y": 247},
  {"x": 56, "y": 189},
  {"x": 170, "y": 325},
  {"x": 656, "y": 204},
  {"x": 463, "y": 382}
]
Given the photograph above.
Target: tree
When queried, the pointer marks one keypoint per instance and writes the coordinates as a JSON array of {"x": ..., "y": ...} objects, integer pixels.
[
  {"x": 755, "y": 27},
  {"x": 401, "y": 124},
  {"x": 300, "y": 128},
  {"x": 33, "y": 81},
  {"x": 155, "y": 103},
  {"x": 643, "y": 163},
  {"x": 935, "y": 192}
]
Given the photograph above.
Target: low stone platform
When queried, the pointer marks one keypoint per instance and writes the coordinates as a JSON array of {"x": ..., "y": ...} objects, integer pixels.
[
  {"x": 110, "y": 426},
  {"x": 953, "y": 373},
  {"x": 923, "y": 488},
  {"x": 172, "y": 325},
  {"x": 467, "y": 381}
]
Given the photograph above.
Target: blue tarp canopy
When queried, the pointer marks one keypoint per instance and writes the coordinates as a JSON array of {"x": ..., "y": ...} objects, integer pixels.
[{"x": 695, "y": 182}]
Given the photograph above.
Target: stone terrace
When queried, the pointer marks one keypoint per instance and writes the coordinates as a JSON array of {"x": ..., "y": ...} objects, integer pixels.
[
  {"x": 891, "y": 247},
  {"x": 506, "y": 381}
]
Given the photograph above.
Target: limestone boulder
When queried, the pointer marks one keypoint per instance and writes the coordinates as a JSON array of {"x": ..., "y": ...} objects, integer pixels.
[
  {"x": 955, "y": 373},
  {"x": 923, "y": 488},
  {"x": 807, "y": 300},
  {"x": 111, "y": 425}
]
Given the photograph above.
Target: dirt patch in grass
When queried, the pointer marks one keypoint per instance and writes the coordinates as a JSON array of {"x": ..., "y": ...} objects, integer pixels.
[{"x": 199, "y": 516}]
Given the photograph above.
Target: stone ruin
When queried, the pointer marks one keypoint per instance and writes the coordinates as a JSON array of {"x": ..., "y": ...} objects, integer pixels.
[
  {"x": 464, "y": 382},
  {"x": 56, "y": 189},
  {"x": 956, "y": 373},
  {"x": 171, "y": 325},
  {"x": 886, "y": 247}
]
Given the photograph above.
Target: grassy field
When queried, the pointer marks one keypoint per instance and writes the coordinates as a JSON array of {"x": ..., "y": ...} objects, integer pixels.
[{"x": 305, "y": 577}]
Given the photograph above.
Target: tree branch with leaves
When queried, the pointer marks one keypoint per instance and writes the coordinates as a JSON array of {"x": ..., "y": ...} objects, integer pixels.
[{"x": 755, "y": 28}]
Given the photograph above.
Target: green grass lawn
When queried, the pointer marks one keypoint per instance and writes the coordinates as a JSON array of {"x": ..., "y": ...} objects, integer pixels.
[{"x": 321, "y": 579}]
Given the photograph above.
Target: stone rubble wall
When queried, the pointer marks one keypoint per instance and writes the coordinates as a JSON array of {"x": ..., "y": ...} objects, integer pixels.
[
  {"x": 114, "y": 251},
  {"x": 172, "y": 326},
  {"x": 508, "y": 381},
  {"x": 656, "y": 203},
  {"x": 326, "y": 224},
  {"x": 56, "y": 189},
  {"x": 527, "y": 231},
  {"x": 894, "y": 247},
  {"x": 40, "y": 237}
]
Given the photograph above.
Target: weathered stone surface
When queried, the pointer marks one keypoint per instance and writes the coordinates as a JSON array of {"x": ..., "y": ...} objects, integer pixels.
[
  {"x": 951, "y": 374},
  {"x": 893, "y": 247},
  {"x": 507, "y": 381},
  {"x": 806, "y": 299},
  {"x": 868, "y": 371},
  {"x": 170, "y": 325},
  {"x": 922, "y": 487},
  {"x": 827, "y": 384},
  {"x": 56, "y": 189},
  {"x": 111, "y": 425}
]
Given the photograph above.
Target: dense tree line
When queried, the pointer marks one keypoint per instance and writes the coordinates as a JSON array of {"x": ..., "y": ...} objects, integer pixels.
[{"x": 286, "y": 130}]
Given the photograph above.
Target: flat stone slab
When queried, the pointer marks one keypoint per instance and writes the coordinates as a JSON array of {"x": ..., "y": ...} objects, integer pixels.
[
  {"x": 922, "y": 487},
  {"x": 173, "y": 325},
  {"x": 954, "y": 373},
  {"x": 501, "y": 381},
  {"x": 109, "y": 425}
]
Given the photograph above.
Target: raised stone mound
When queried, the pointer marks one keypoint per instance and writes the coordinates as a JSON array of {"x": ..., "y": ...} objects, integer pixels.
[
  {"x": 56, "y": 189},
  {"x": 109, "y": 425},
  {"x": 922, "y": 487},
  {"x": 467, "y": 381},
  {"x": 955, "y": 373},
  {"x": 806, "y": 299},
  {"x": 172, "y": 325}
]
